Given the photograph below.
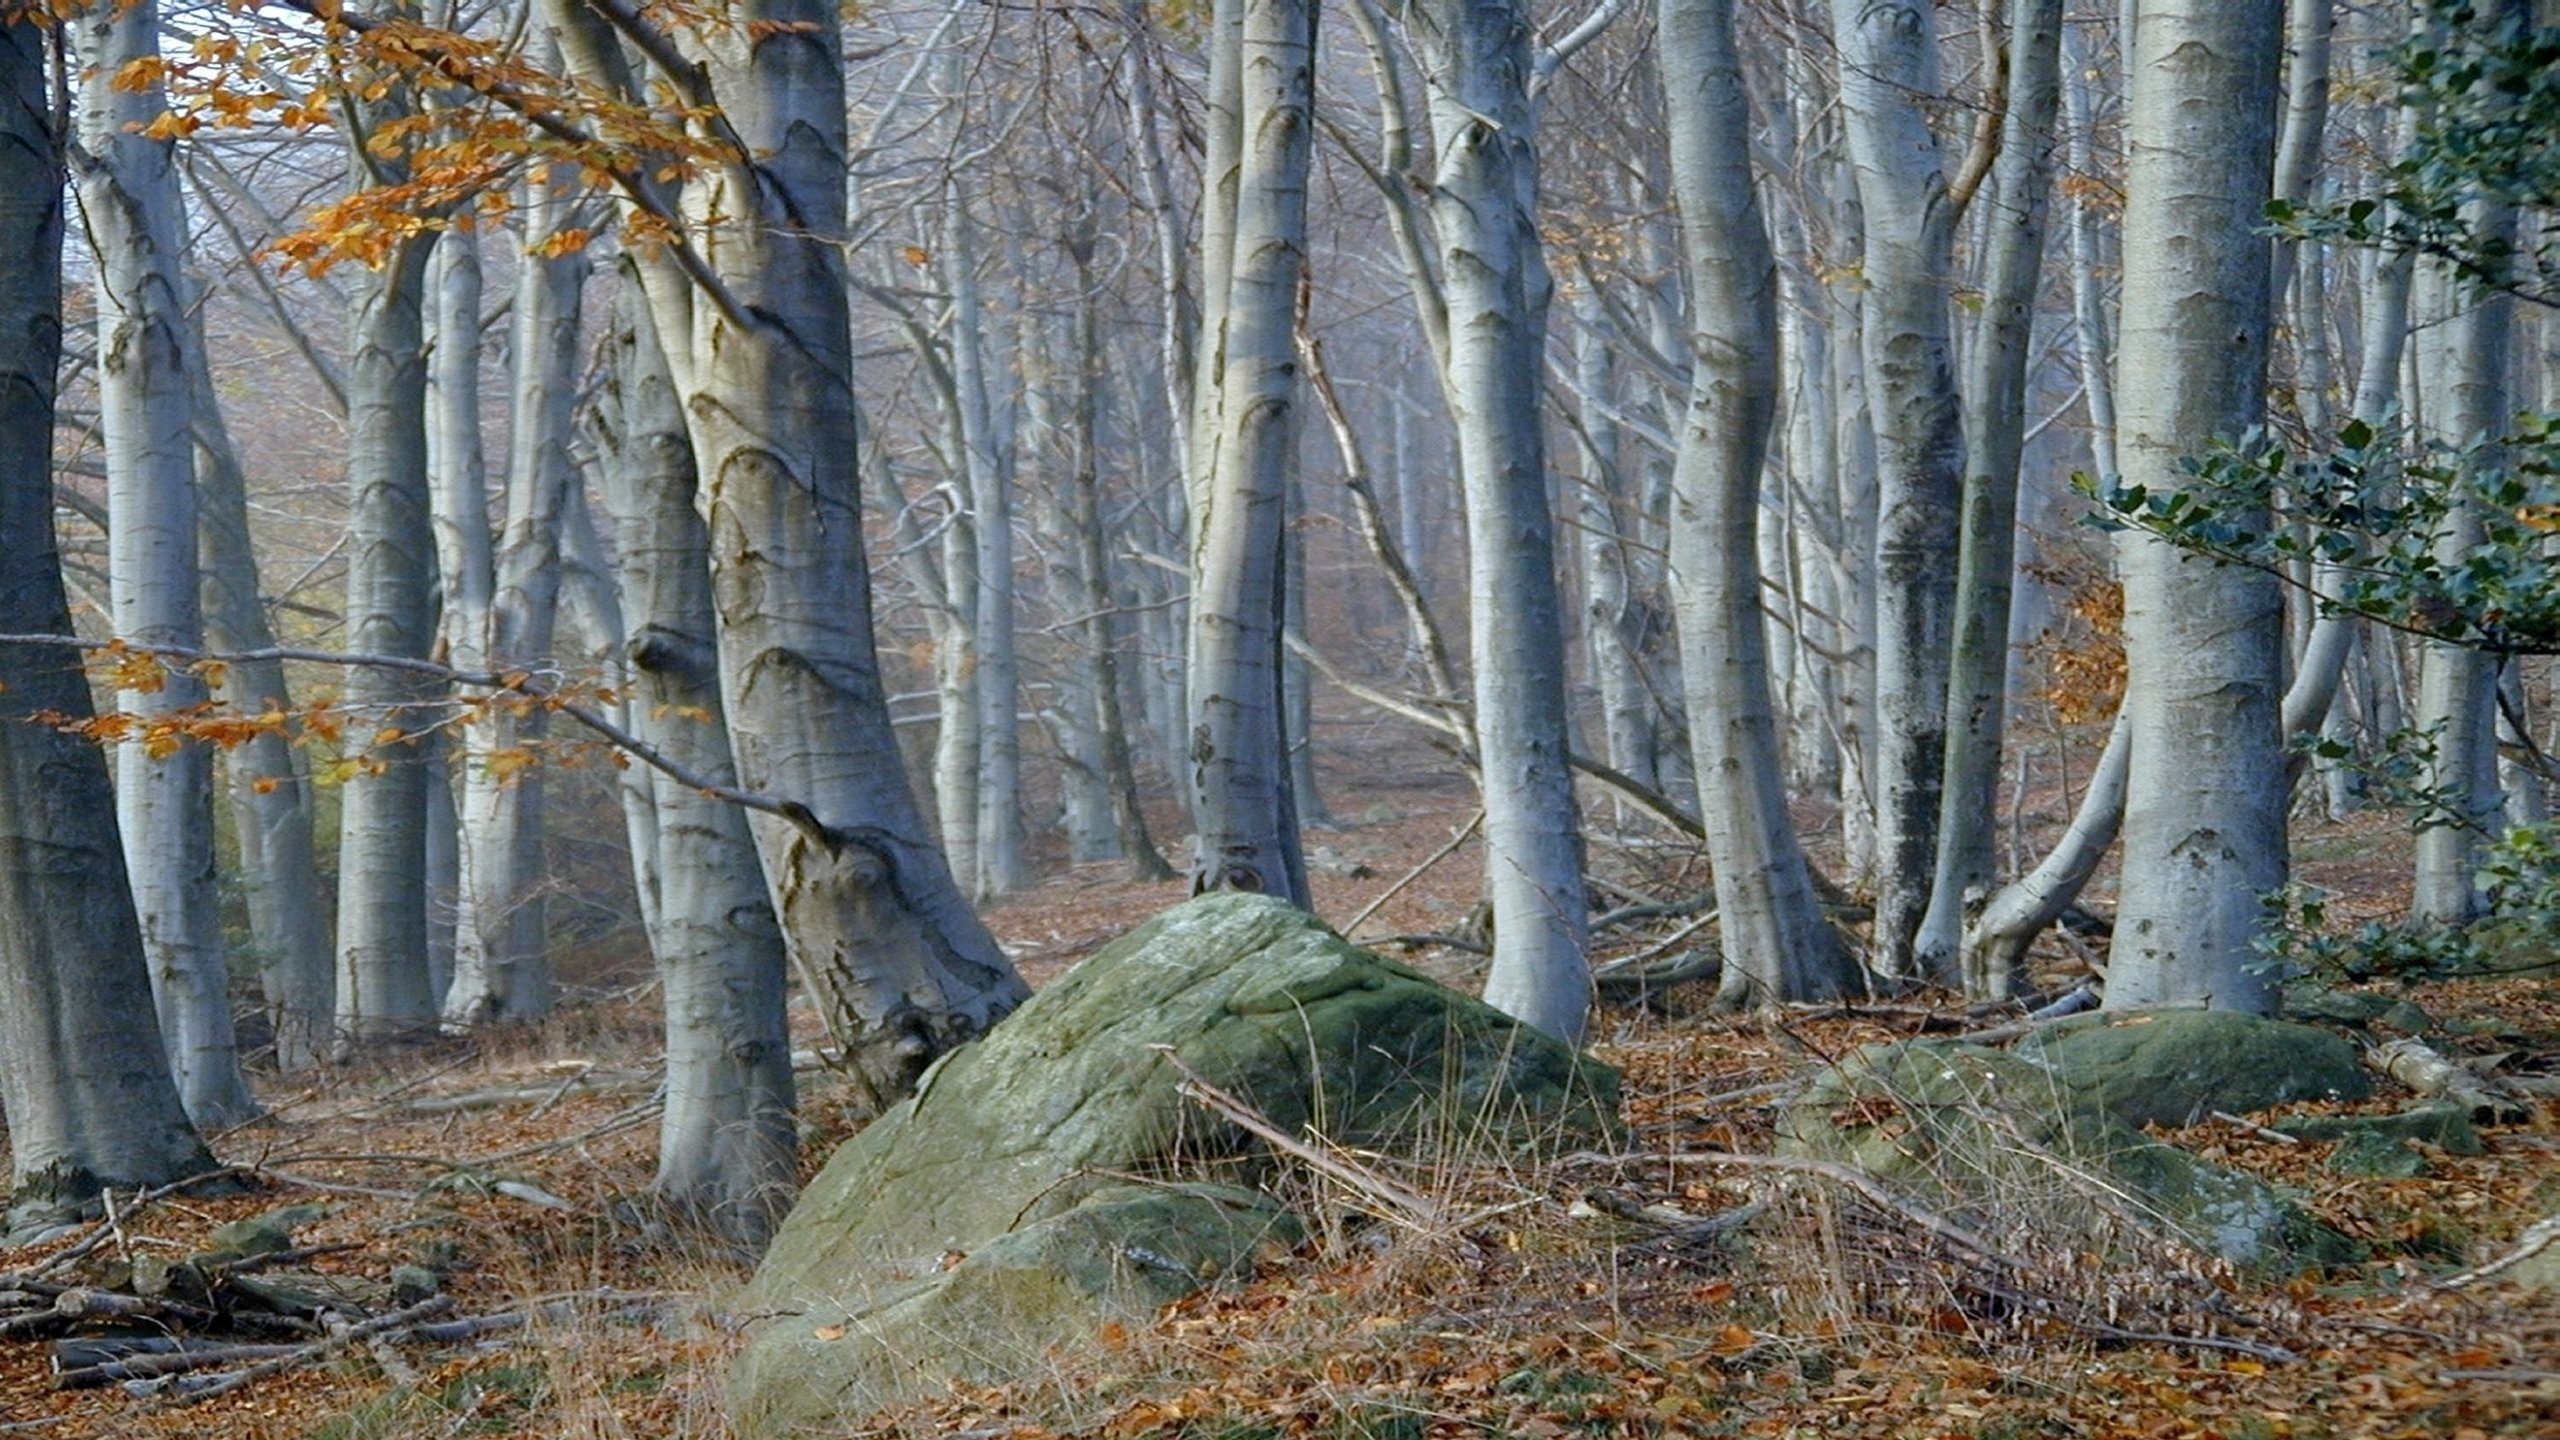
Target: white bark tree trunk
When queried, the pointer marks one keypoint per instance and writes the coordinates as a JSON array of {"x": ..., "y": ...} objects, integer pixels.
[
  {"x": 1995, "y": 405},
  {"x": 1886, "y": 68},
  {"x": 1245, "y": 822},
  {"x": 501, "y": 970},
  {"x": 164, "y": 780},
  {"x": 2205, "y": 820},
  {"x": 726, "y": 1145},
  {"x": 1777, "y": 946},
  {"x": 1475, "y": 57},
  {"x": 84, "y": 1080},
  {"x": 760, "y": 343}
]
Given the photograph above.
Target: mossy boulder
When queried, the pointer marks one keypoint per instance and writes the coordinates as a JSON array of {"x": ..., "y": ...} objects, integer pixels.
[
  {"x": 992, "y": 1213},
  {"x": 2175, "y": 1067},
  {"x": 2000, "y": 1143}
]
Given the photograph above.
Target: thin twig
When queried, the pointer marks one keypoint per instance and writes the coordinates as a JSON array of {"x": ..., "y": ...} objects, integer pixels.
[{"x": 1443, "y": 853}]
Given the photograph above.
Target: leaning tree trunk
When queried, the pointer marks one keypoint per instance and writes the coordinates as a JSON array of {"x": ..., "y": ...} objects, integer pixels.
[
  {"x": 164, "y": 778},
  {"x": 760, "y": 340},
  {"x": 2205, "y": 820},
  {"x": 1246, "y": 824},
  {"x": 1911, "y": 391},
  {"x": 1994, "y": 441},
  {"x": 1484, "y": 199},
  {"x": 1777, "y": 946},
  {"x": 84, "y": 1080},
  {"x": 727, "y": 1146}
]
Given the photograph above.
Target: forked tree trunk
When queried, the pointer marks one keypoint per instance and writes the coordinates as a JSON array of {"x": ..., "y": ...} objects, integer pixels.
[
  {"x": 2205, "y": 821},
  {"x": 84, "y": 1080},
  {"x": 164, "y": 779},
  {"x": 1777, "y": 946},
  {"x": 501, "y": 969},
  {"x": 1995, "y": 441},
  {"x": 1242, "y": 810}
]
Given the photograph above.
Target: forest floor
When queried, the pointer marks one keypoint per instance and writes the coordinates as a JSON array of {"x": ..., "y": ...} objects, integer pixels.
[{"x": 1828, "y": 1317}]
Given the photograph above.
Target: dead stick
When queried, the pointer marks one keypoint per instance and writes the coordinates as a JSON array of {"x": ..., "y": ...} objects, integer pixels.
[
  {"x": 144, "y": 1367},
  {"x": 1864, "y": 1184},
  {"x": 318, "y": 1349},
  {"x": 1443, "y": 853},
  {"x": 1393, "y": 1201}
]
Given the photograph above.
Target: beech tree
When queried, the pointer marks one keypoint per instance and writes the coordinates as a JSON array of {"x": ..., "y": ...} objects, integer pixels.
[
  {"x": 85, "y": 1084},
  {"x": 2204, "y": 831},
  {"x": 164, "y": 788}
]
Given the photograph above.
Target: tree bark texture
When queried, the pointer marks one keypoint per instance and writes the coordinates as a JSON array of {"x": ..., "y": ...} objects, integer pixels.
[
  {"x": 1885, "y": 70},
  {"x": 1475, "y": 56},
  {"x": 84, "y": 1081},
  {"x": 2205, "y": 818},
  {"x": 1777, "y": 946},
  {"x": 1246, "y": 828},
  {"x": 164, "y": 780}
]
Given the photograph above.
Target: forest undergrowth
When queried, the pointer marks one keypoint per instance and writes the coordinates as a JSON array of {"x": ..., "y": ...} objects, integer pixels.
[{"x": 1640, "y": 1293}]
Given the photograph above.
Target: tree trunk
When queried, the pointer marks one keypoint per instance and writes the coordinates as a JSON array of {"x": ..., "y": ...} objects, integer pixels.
[
  {"x": 2205, "y": 820},
  {"x": 164, "y": 780},
  {"x": 84, "y": 1080},
  {"x": 1777, "y": 946},
  {"x": 726, "y": 1145},
  {"x": 901, "y": 967},
  {"x": 986, "y": 474},
  {"x": 265, "y": 776},
  {"x": 1246, "y": 826},
  {"x": 1483, "y": 205},
  {"x": 1885, "y": 67},
  {"x": 382, "y": 884},
  {"x": 1994, "y": 442},
  {"x": 501, "y": 969}
]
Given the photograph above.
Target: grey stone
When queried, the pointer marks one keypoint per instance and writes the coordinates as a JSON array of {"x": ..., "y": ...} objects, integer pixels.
[
  {"x": 2376, "y": 1156},
  {"x": 1999, "y": 1143},
  {"x": 991, "y": 1213},
  {"x": 2174, "y": 1067},
  {"x": 2445, "y": 1126}
]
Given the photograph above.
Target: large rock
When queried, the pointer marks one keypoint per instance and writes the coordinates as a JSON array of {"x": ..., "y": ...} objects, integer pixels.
[
  {"x": 992, "y": 1217},
  {"x": 1993, "y": 1140},
  {"x": 2175, "y": 1067}
]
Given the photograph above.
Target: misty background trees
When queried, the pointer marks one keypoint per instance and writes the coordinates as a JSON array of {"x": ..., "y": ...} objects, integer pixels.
[{"x": 778, "y": 482}]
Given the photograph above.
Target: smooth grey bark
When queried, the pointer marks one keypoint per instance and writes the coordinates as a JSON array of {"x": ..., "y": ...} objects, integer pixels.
[
  {"x": 1777, "y": 945},
  {"x": 1245, "y": 824},
  {"x": 1611, "y": 618},
  {"x": 1476, "y": 62},
  {"x": 2094, "y": 337},
  {"x": 2204, "y": 835},
  {"x": 2464, "y": 353},
  {"x": 382, "y": 885},
  {"x": 129, "y": 197},
  {"x": 755, "y": 323},
  {"x": 501, "y": 966},
  {"x": 997, "y": 865},
  {"x": 727, "y": 1146},
  {"x": 1909, "y": 229},
  {"x": 1995, "y": 404},
  {"x": 1099, "y": 630},
  {"x": 84, "y": 1080},
  {"x": 265, "y": 777}
]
